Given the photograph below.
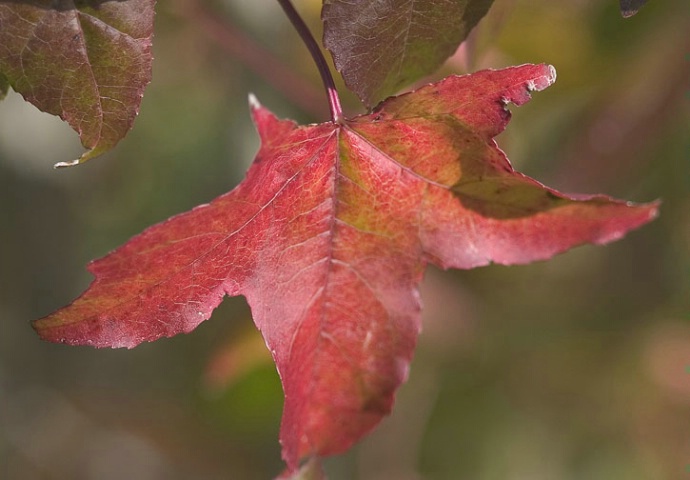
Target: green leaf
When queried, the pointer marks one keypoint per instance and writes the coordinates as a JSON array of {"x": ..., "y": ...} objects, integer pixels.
[{"x": 87, "y": 61}]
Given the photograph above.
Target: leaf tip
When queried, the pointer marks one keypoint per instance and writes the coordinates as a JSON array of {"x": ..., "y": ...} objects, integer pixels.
[
  {"x": 649, "y": 211},
  {"x": 257, "y": 111},
  {"x": 653, "y": 209},
  {"x": 72, "y": 163},
  {"x": 631, "y": 7},
  {"x": 639, "y": 214},
  {"x": 253, "y": 102},
  {"x": 543, "y": 81},
  {"x": 552, "y": 74},
  {"x": 94, "y": 152}
]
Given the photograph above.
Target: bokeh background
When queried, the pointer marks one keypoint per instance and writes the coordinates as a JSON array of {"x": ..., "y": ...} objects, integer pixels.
[{"x": 576, "y": 368}]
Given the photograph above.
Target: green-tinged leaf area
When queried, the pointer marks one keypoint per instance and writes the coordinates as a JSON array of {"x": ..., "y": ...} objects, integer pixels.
[
  {"x": 379, "y": 46},
  {"x": 328, "y": 238},
  {"x": 86, "y": 61}
]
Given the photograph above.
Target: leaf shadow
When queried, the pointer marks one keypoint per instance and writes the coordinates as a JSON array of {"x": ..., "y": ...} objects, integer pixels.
[{"x": 506, "y": 197}]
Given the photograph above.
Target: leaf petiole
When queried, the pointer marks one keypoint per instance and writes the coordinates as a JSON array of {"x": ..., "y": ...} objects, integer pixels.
[{"x": 319, "y": 59}]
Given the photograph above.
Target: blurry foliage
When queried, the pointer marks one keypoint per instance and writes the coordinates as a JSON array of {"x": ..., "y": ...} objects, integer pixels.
[{"x": 575, "y": 368}]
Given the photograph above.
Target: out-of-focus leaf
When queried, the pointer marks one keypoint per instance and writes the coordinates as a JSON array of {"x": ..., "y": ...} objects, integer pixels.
[
  {"x": 328, "y": 238},
  {"x": 380, "y": 46},
  {"x": 631, "y": 7},
  {"x": 87, "y": 61},
  {"x": 235, "y": 360}
]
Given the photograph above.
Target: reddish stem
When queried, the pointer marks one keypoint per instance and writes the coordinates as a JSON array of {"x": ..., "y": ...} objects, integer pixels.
[{"x": 321, "y": 64}]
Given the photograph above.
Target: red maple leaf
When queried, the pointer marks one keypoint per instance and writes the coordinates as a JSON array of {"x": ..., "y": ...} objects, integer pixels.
[{"x": 328, "y": 238}]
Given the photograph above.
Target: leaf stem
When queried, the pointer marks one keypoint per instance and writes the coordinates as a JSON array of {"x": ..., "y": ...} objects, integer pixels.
[{"x": 321, "y": 64}]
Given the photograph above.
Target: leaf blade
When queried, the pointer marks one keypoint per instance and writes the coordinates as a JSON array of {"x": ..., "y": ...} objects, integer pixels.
[
  {"x": 382, "y": 46},
  {"x": 328, "y": 238}
]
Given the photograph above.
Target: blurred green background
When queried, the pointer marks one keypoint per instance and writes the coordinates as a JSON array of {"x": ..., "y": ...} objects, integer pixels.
[{"x": 576, "y": 368}]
